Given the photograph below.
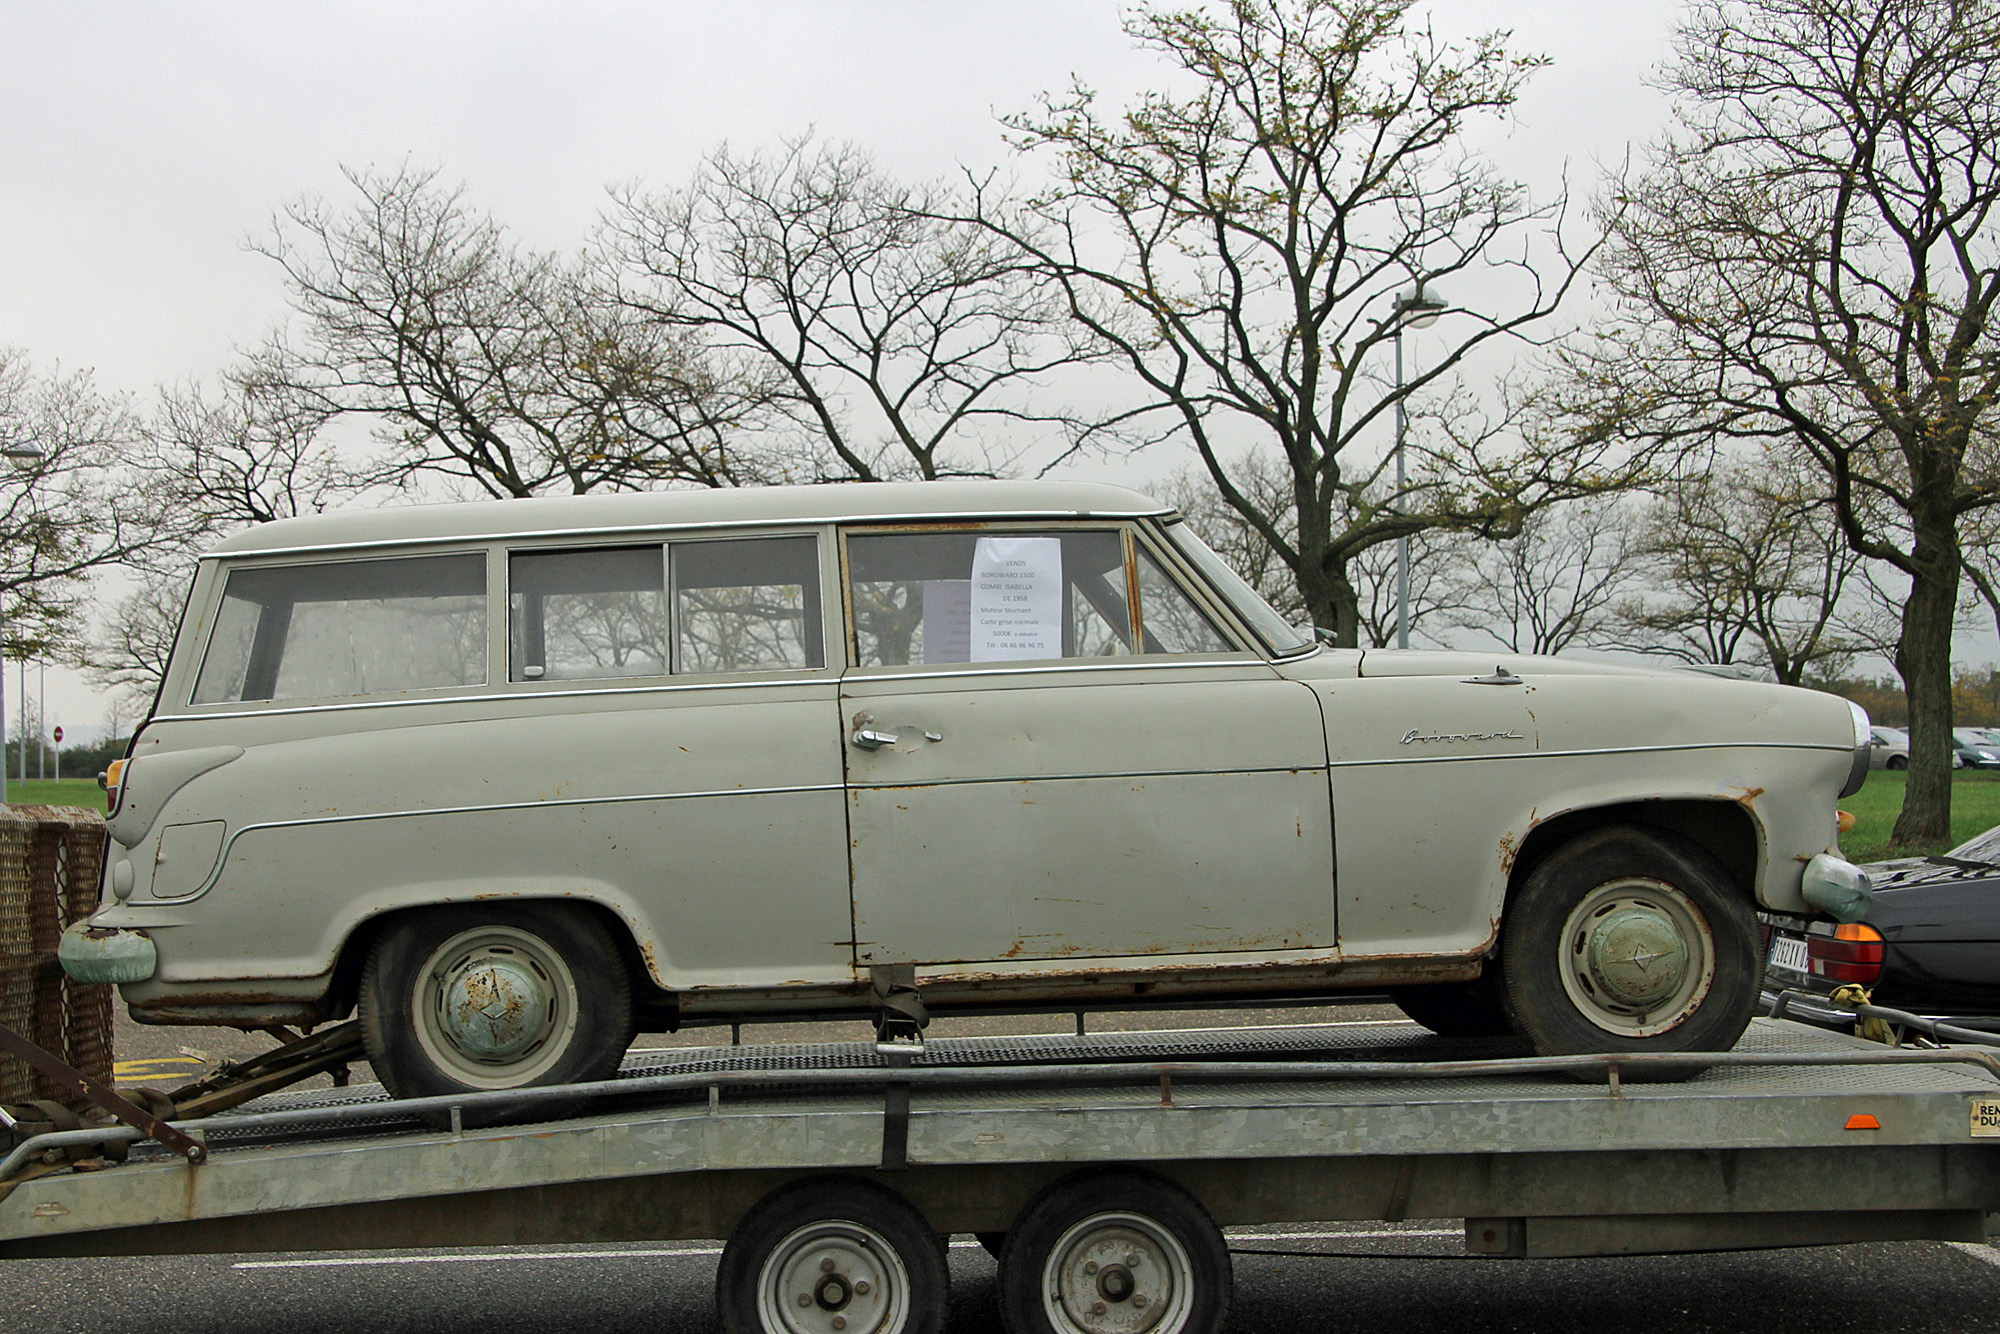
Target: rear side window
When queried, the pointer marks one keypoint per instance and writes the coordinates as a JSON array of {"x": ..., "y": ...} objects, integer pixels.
[
  {"x": 347, "y": 628},
  {"x": 727, "y": 605}
]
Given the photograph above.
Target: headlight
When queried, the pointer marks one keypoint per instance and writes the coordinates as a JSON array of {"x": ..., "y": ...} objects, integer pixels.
[{"x": 1857, "y": 773}]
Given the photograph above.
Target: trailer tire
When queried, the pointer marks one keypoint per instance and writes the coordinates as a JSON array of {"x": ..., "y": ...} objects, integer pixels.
[
  {"x": 1472, "y": 1009},
  {"x": 827, "y": 1248},
  {"x": 1631, "y": 940},
  {"x": 1067, "y": 1266},
  {"x": 567, "y": 1020}
]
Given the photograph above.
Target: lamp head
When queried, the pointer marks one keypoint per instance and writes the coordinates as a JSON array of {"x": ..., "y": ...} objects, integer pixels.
[{"x": 1417, "y": 308}]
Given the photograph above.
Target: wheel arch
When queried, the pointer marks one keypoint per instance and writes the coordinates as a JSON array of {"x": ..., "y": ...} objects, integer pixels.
[
  {"x": 345, "y": 988},
  {"x": 1724, "y": 829}
]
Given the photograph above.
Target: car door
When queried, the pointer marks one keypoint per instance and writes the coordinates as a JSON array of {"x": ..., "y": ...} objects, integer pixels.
[{"x": 1054, "y": 753}]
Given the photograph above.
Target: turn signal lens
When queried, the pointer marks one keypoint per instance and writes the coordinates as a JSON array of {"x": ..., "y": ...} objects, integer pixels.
[
  {"x": 1853, "y": 953},
  {"x": 110, "y": 780},
  {"x": 1846, "y": 820}
]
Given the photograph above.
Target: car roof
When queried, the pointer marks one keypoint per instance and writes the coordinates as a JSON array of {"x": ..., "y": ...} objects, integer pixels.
[{"x": 717, "y": 508}]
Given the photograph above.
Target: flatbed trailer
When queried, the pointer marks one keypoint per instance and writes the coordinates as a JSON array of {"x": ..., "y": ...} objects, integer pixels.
[{"x": 1106, "y": 1162}]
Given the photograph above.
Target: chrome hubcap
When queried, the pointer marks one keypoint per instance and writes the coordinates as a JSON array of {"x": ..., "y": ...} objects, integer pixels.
[
  {"x": 495, "y": 1007},
  {"x": 1637, "y": 957}
]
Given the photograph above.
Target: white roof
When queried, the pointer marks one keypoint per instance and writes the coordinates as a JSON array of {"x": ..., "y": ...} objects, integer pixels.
[{"x": 724, "y": 507}]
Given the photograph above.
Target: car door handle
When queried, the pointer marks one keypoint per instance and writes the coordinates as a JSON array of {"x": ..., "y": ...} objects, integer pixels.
[{"x": 868, "y": 738}]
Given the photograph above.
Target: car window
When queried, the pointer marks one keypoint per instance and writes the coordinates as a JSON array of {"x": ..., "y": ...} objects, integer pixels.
[
  {"x": 746, "y": 605},
  {"x": 1282, "y": 636},
  {"x": 1170, "y": 622},
  {"x": 347, "y": 628},
  {"x": 587, "y": 613},
  {"x": 997, "y": 596}
]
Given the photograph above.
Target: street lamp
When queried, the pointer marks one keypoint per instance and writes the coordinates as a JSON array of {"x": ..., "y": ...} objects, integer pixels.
[
  {"x": 18, "y": 455},
  {"x": 1414, "y": 310}
]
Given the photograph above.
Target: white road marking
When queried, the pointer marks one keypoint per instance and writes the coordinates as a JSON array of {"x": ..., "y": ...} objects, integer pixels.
[{"x": 359, "y": 1261}]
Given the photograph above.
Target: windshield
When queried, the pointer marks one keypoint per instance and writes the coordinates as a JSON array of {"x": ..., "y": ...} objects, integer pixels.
[
  {"x": 1283, "y": 637},
  {"x": 1982, "y": 848}
]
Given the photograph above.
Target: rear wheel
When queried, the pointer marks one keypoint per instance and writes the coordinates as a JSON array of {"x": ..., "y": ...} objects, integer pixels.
[
  {"x": 1630, "y": 940},
  {"x": 1114, "y": 1253},
  {"x": 471, "y": 999},
  {"x": 1896, "y": 762}
]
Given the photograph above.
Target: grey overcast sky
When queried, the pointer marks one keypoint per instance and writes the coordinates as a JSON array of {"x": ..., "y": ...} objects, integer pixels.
[{"x": 141, "y": 142}]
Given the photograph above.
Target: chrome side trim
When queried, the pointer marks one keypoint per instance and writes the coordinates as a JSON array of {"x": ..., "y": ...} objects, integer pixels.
[
  {"x": 1077, "y": 778},
  {"x": 1129, "y": 663},
  {"x": 303, "y": 821},
  {"x": 667, "y": 529},
  {"x": 1455, "y": 758}
]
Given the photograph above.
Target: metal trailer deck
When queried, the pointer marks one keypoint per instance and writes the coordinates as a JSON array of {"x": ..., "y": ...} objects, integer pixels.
[{"x": 1800, "y": 1136}]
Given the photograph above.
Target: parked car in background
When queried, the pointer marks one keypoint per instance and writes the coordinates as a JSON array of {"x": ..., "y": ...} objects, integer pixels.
[
  {"x": 1888, "y": 748},
  {"x": 1975, "y": 749},
  {"x": 1929, "y": 942},
  {"x": 512, "y": 779}
]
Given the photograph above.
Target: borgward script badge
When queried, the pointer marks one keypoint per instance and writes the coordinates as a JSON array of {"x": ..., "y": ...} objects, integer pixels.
[{"x": 1413, "y": 737}]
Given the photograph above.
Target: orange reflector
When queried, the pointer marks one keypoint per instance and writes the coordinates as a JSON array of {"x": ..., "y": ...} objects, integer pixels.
[
  {"x": 1846, "y": 820},
  {"x": 1863, "y": 1121},
  {"x": 1856, "y": 931}
]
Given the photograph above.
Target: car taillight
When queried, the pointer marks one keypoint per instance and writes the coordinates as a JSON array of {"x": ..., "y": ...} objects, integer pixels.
[
  {"x": 1853, "y": 953},
  {"x": 109, "y": 780}
]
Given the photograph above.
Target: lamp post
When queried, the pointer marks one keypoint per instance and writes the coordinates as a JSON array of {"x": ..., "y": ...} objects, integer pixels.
[
  {"x": 16, "y": 455},
  {"x": 1414, "y": 310}
]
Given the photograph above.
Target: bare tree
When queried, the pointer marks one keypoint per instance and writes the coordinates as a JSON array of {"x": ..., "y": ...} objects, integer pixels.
[
  {"x": 1807, "y": 261},
  {"x": 906, "y": 343},
  {"x": 64, "y": 510},
  {"x": 1554, "y": 586},
  {"x": 1750, "y": 567},
  {"x": 1248, "y": 248},
  {"x": 486, "y": 362}
]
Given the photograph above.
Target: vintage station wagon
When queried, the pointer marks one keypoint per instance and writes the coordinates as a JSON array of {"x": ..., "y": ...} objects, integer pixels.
[{"x": 516, "y": 779}]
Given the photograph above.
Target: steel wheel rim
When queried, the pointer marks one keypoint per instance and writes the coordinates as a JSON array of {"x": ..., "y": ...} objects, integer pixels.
[
  {"x": 1090, "y": 1286},
  {"x": 1637, "y": 957},
  {"x": 495, "y": 1007},
  {"x": 833, "y": 1277}
]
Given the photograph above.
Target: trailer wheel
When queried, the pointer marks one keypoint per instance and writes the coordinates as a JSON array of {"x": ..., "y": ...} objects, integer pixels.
[
  {"x": 470, "y": 999},
  {"x": 1458, "y": 1009},
  {"x": 1631, "y": 940},
  {"x": 836, "y": 1254},
  {"x": 1114, "y": 1253}
]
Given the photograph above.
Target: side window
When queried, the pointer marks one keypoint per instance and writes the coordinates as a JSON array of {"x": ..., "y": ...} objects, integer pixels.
[
  {"x": 347, "y": 628},
  {"x": 956, "y": 596},
  {"x": 746, "y": 605},
  {"x": 587, "y": 614},
  {"x": 1171, "y": 622}
]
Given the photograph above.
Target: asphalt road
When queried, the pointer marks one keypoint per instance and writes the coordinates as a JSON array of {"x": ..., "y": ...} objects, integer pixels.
[{"x": 1909, "y": 1286}]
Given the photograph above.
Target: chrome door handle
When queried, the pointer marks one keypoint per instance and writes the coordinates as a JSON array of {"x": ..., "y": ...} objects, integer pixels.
[{"x": 867, "y": 738}]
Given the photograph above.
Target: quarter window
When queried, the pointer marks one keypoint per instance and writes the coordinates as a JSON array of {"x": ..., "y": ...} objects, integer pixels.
[
  {"x": 587, "y": 614},
  {"x": 747, "y": 605},
  {"x": 347, "y": 628}
]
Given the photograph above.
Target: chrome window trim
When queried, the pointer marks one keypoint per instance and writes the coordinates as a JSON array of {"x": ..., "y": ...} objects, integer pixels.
[
  {"x": 667, "y": 530},
  {"x": 526, "y": 690}
]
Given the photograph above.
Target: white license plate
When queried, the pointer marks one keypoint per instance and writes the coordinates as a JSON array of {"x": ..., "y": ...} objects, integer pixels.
[{"x": 1790, "y": 952}]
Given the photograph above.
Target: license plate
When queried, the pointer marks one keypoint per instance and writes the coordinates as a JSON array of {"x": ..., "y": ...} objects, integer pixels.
[{"x": 1790, "y": 952}]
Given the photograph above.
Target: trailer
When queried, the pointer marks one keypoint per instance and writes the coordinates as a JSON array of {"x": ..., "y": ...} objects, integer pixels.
[{"x": 1100, "y": 1168}]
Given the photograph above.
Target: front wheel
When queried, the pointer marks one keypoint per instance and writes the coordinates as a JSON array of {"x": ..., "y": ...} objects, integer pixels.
[
  {"x": 473, "y": 999},
  {"x": 1630, "y": 940},
  {"x": 1897, "y": 762}
]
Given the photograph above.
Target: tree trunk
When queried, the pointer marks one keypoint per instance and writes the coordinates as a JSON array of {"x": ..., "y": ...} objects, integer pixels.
[
  {"x": 1923, "y": 656},
  {"x": 1331, "y": 600}
]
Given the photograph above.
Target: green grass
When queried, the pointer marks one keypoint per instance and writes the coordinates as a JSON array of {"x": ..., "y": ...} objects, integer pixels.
[
  {"x": 50, "y": 792},
  {"x": 1975, "y": 808}
]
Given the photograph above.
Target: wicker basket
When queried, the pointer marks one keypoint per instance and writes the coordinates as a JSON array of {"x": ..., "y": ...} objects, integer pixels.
[{"x": 51, "y": 863}]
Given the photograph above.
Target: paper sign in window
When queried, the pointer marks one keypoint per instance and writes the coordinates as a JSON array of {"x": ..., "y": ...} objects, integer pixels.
[
  {"x": 947, "y": 620},
  {"x": 1016, "y": 598}
]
